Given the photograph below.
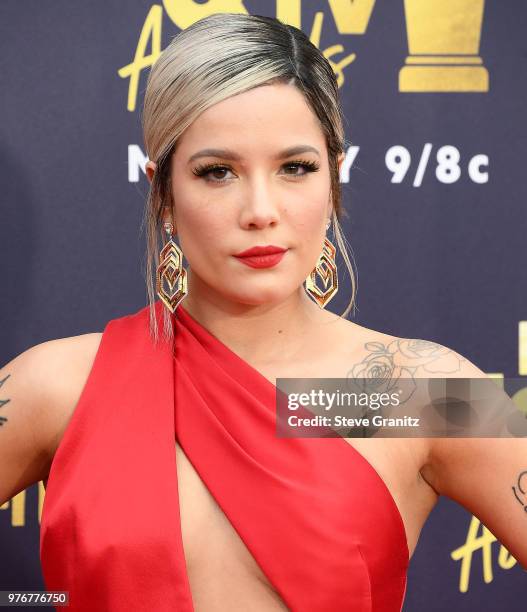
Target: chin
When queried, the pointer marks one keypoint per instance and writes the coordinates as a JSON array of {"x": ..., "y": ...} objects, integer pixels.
[{"x": 259, "y": 298}]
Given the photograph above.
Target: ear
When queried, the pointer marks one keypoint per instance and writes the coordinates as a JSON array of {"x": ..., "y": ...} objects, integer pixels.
[
  {"x": 167, "y": 215},
  {"x": 150, "y": 168},
  {"x": 329, "y": 210},
  {"x": 341, "y": 158}
]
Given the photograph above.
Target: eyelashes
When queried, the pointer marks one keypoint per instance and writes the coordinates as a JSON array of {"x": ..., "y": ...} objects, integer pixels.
[{"x": 205, "y": 170}]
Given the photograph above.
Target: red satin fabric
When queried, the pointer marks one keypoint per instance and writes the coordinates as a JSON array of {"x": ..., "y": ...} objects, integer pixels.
[{"x": 314, "y": 513}]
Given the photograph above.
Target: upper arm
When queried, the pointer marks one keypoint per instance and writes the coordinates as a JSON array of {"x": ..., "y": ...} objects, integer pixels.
[
  {"x": 24, "y": 431},
  {"x": 38, "y": 392},
  {"x": 487, "y": 476}
]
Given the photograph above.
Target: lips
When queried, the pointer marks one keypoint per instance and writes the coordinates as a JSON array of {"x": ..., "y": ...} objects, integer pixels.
[
  {"x": 262, "y": 256},
  {"x": 261, "y": 250}
]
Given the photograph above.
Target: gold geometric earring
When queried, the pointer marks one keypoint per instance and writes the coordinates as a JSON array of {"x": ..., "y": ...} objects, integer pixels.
[
  {"x": 326, "y": 268},
  {"x": 171, "y": 270}
]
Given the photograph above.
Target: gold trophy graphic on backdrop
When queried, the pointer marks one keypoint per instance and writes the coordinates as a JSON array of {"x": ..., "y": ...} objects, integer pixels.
[{"x": 443, "y": 45}]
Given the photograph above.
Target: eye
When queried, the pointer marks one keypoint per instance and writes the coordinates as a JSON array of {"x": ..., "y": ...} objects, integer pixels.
[
  {"x": 309, "y": 166},
  {"x": 207, "y": 169}
]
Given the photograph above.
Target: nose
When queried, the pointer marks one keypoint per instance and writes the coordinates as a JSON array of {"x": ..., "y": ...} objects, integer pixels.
[{"x": 260, "y": 207}]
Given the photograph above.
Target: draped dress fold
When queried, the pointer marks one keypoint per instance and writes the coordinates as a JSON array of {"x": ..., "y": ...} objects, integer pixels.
[{"x": 314, "y": 514}]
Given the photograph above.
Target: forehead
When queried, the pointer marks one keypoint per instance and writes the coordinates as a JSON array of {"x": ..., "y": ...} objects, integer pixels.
[{"x": 266, "y": 117}]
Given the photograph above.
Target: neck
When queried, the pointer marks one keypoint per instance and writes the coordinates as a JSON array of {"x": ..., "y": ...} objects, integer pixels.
[{"x": 269, "y": 332}]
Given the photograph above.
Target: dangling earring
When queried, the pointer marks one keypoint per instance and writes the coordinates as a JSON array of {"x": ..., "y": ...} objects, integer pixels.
[
  {"x": 171, "y": 269},
  {"x": 326, "y": 268}
]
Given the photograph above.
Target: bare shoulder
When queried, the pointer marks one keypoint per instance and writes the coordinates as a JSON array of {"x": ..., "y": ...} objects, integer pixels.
[
  {"x": 385, "y": 355},
  {"x": 390, "y": 357},
  {"x": 39, "y": 391},
  {"x": 369, "y": 353},
  {"x": 68, "y": 364}
]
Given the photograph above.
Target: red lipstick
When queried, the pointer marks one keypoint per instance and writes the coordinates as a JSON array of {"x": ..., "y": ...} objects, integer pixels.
[{"x": 261, "y": 256}]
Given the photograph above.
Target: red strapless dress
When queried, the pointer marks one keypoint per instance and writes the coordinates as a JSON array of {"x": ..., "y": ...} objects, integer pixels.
[{"x": 316, "y": 516}]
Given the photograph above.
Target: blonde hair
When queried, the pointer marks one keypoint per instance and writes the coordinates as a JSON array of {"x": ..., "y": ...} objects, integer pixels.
[{"x": 219, "y": 56}]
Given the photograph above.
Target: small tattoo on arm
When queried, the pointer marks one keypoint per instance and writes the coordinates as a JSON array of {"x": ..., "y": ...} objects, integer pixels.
[
  {"x": 519, "y": 489},
  {"x": 3, "y": 402},
  {"x": 406, "y": 356}
]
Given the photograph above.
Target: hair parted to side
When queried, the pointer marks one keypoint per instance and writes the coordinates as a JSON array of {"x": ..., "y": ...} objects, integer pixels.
[{"x": 219, "y": 56}]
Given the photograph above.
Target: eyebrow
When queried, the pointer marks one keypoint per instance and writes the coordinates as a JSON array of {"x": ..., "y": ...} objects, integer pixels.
[{"x": 231, "y": 155}]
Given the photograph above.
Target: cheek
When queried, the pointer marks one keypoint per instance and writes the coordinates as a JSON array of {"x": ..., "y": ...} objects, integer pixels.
[
  {"x": 308, "y": 225},
  {"x": 308, "y": 216},
  {"x": 203, "y": 229}
]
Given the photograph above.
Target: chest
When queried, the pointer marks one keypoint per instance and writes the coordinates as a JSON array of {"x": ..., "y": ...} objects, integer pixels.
[{"x": 223, "y": 574}]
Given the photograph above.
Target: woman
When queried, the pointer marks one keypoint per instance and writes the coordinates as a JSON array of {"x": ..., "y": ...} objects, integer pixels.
[{"x": 168, "y": 486}]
